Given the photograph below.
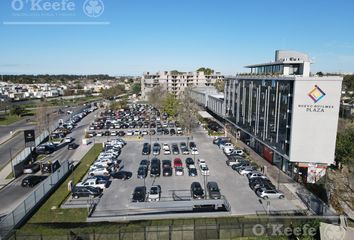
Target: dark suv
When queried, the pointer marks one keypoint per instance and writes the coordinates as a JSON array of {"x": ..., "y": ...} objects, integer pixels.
[
  {"x": 86, "y": 191},
  {"x": 32, "y": 180},
  {"x": 197, "y": 191},
  {"x": 139, "y": 194},
  {"x": 146, "y": 149}
]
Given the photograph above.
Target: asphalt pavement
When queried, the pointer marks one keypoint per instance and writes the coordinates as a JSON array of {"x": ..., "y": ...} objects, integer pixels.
[
  {"x": 14, "y": 193},
  {"x": 16, "y": 144}
]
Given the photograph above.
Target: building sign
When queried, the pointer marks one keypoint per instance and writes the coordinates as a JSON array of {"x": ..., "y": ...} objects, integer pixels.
[
  {"x": 316, "y": 94},
  {"x": 29, "y": 138}
]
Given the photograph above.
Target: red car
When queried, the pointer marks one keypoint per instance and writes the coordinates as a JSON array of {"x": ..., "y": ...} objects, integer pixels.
[{"x": 177, "y": 163}]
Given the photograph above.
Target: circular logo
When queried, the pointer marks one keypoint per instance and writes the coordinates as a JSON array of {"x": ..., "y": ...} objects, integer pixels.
[
  {"x": 93, "y": 8},
  {"x": 334, "y": 233}
]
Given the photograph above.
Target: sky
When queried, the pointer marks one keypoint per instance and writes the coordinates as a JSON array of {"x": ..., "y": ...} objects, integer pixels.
[{"x": 134, "y": 36}]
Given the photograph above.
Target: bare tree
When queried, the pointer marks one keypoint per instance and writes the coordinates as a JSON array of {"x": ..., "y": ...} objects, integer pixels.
[
  {"x": 43, "y": 116},
  {"x": 187, "y": 111},
  {"x": 156, "y": 96}
]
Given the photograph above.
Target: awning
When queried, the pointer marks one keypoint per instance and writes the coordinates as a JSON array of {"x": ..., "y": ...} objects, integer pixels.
[{"x": 204, "y": 114}]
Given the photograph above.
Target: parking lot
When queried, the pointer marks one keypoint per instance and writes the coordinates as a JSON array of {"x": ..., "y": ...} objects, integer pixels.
[{"x": 117, "y": 199}]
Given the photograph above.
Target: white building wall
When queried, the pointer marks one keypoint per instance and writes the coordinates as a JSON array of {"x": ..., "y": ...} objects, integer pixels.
[{"x": 314, "y": 125}]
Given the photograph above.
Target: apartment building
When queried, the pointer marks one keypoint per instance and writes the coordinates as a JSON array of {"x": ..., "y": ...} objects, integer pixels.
[
  {"x": 176, "y": 82},
  {"x": 285, "y": 114}
]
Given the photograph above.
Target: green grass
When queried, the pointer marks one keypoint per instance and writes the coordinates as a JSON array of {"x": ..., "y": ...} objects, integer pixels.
[
  {"x": 48, "y": 215},
  {"x": 7, "y": 120}
]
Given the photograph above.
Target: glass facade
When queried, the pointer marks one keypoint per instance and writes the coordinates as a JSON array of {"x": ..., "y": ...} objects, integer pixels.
[{"x": 262, "y": 108}]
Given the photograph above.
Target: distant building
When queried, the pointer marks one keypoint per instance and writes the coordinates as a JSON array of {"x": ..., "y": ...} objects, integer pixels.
[{"x": 175, "y": 83}]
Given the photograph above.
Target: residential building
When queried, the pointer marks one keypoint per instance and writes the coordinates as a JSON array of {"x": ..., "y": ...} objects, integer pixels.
[
  {"x": 175, "y": 82},
  {"x": 285, "y": 114}
]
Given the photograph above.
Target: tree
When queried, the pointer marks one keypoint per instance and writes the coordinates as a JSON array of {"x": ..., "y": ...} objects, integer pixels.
[
  {"x": 156, "y": 96},
  {"x": 136, "y": 88},
  {"x": 345, "y": 147},
  {"x": 187, "y": 111},
  {"x": 170, "y": 105},
  {"x": 113, "y": 92},
  {"x": 348, "y": 82},
  {"x": 220, "y": 85},
  {"x": 207, "y": 71},
  {"x": 117, "y": 105},
  {"x": 43, "y": 115},
  {"x": 18, "y": 110}
]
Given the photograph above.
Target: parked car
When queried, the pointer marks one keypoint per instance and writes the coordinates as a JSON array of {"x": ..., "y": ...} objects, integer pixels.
[
  {"x": 154, "y": 193},
  {"x": 167, "y": 171},
  {"x": 266, "y": 193},
  {"x": 155, "y": 170},
  {"x": 257, "y": 183},
  {"x": 142, "y": 172},
  {"x": 255, "y": 174},
  {"x": 175, "y": 149},
  {"x": 69, "y": 139},
  {"x": 156, "y": 149},
  {"x": 177, "y": 162},
  {"x": 139, "y": 194},
  {"x": 145, "y": 163},
  {"x": 146, "y": 149},
  {"x": 192, "y": 171},
  {"x": 246, "y": 170},
  {"x": 86, "y": 191},
  {"x": 197, "y": 191},
  {"x": 32, "y": 180},
  {"x": 99, "y": 171},
  {"x": 179, "y": 171},
  {"x": 201, "y": 161},
  {"x": 124, "y": 175},
  {"x": 189, "y": 161},
  {"x": 213, "y": 190},
  {"x": 204, "y": 170},
  {"x": 93, "y": 182},
  {"x": 31, "y": 168},
  {"x": 166, "y": 163}
]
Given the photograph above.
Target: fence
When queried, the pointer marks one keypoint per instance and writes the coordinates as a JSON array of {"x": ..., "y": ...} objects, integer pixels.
[
  {"x": 183, "y": 230},
  {"x": 26, "y": 207}
]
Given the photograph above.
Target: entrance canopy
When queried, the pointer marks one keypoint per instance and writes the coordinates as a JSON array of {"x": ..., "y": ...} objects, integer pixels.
[{"x": 204, "y": 114}]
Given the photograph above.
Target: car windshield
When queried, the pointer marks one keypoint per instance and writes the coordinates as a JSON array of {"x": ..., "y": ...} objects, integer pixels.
[{"x": 154, "y": 190}]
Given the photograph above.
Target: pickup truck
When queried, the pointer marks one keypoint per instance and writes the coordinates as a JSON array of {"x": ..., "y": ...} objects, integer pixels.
[{"x": 93, "y": 182}]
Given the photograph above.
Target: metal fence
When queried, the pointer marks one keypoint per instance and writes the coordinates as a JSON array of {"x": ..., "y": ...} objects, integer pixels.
[
  {"x": 192, "y": 231},
  {"x": 26, "y": 207}
]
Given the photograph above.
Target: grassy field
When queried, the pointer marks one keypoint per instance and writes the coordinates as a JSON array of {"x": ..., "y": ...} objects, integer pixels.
[
  {"x": 9, "y": 119},
  {"x": 50, "y": 211}
]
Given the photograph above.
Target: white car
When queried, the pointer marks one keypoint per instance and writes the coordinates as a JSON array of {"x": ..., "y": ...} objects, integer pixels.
[
  {"x": 201, "y": 161},
  {"x": 99, "y": 134},
  {"x": 256, "y": 175},
  {"x": 130, "y": 133},
  {"x": 137, "y": 132},
  {"x": 194, "y": 151},
  {"x": 228, "y": 150},
  {"x": 167, "y": 151},
  {"x": 113, "y": 133},
  {"x": 247, "y": 170},
  {"x": 98, "y": 172},
  {"x": 154, "y": 194},
  {"x": 93, "y": 182},
  {"x": 204, "y": 170},
  {"x": 68, "y": 139},
  {"x": 165, "y": 146},
  {"x": 222, "y": 146},
  {"x": 270, "y": 193}
]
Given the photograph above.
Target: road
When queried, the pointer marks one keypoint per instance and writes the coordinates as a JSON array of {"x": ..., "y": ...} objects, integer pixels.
[
  {"x": 14, "y": 193},
  {"x": 16, "y": 144}
]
